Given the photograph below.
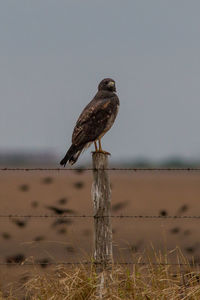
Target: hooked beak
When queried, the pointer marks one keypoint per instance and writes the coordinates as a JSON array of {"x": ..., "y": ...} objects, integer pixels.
[{"x": 111, "y": 84}]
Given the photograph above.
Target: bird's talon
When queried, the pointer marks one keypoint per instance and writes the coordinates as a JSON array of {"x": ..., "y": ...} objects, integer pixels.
[{"x": 102, "y": 151}]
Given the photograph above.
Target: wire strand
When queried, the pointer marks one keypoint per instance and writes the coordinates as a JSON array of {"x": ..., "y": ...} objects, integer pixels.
[
  {"x": 95, "y": 263},
  {"x": 91, "y": 169},
  {"x": 94, "y": 216}
]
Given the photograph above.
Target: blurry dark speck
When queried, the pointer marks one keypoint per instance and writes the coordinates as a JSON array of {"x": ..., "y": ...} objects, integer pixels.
[
  {"x": 70, "y": 249},
  {"x": 134, "y": 248},
  {"x": 183, "y": 208},
  {"x": 62, "y": 201},
  {"x": 39, "y": 238},
  {"x": 62, "y": 222},
  {"x": 190, "y": 249},
  {"x": 44, "y": 262},
  {"x": 163, "y": 213},
  {"x": 34, "y": 204},
  {"x": 6, "y": 235},
  {"x": 79, "y": 170},
  {"x": 60, "y": 211},
  {"x": 19, "y": 258},
  {"x": 197, "y": 278},
  {"x": 47, "y": 180},
  {"x": 62, "y": 231},
  {"x": 119, "y": 205},
  {"x": 175, "y": 230},
  {"x": 24, "y": 187},
  {"x": 79, "y": 184},
  {"x": 20, "y": 223}
]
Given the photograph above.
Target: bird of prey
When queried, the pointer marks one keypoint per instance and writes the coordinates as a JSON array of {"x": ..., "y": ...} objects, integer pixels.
[{"x": 95, "y": 120}]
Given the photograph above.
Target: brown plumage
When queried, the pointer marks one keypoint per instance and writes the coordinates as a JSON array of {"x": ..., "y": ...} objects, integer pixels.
[{"x": 95, "y": 120}]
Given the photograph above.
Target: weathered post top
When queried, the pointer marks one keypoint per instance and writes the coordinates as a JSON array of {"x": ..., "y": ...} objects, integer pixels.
[{"x": 100, "y": 160}]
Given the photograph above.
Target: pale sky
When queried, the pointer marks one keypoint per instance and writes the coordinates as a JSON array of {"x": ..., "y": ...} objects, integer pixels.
[{"x": 54, "y": 53}]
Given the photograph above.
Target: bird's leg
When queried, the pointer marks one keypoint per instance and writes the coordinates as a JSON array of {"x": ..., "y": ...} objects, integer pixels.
[
  {"x": 95, "y": 144},
  {"x": 100, "y": 148}
]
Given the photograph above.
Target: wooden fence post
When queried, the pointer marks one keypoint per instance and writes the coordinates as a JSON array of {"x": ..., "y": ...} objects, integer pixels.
[{"x": 101, "y": 195}]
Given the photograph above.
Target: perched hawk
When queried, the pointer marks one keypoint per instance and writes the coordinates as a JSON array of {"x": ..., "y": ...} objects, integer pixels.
[{"x": 95, "y": 120}]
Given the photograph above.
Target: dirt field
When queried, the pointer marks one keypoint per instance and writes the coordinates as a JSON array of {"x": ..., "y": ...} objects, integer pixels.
[{"x": 56, "y": 193}]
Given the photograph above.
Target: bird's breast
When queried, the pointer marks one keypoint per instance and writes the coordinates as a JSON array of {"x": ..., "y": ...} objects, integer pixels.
[{"x": 110, "y": 121}]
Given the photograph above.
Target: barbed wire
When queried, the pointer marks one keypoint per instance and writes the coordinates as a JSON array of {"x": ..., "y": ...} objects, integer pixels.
[
  {"x": 91, "y": 169},
  {"x": 94, "y": 216},
  {"x": 95, "y": 263}
]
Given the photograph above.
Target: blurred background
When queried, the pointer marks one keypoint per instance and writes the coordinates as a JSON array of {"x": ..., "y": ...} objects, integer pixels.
[{"x": 53, "y": 55}]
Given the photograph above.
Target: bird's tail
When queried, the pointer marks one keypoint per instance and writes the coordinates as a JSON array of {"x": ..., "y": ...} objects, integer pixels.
[{"x": 71, "y": 155}]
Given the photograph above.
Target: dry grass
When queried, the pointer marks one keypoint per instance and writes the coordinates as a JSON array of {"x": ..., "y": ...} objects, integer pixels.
[
  {"x": 154, "y": 281},
  {"x": 139, "y": 282}
]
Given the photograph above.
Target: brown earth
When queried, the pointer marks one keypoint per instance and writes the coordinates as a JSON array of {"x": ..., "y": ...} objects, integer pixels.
[{"x": 133, "y": 193}]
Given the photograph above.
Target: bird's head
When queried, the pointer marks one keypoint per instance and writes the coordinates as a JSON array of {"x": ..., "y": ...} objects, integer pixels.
[{"x": 107, "y": 84}]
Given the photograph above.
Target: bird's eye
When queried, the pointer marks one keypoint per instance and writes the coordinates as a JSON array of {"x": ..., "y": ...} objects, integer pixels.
[{"x": 106, "y": 82}]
